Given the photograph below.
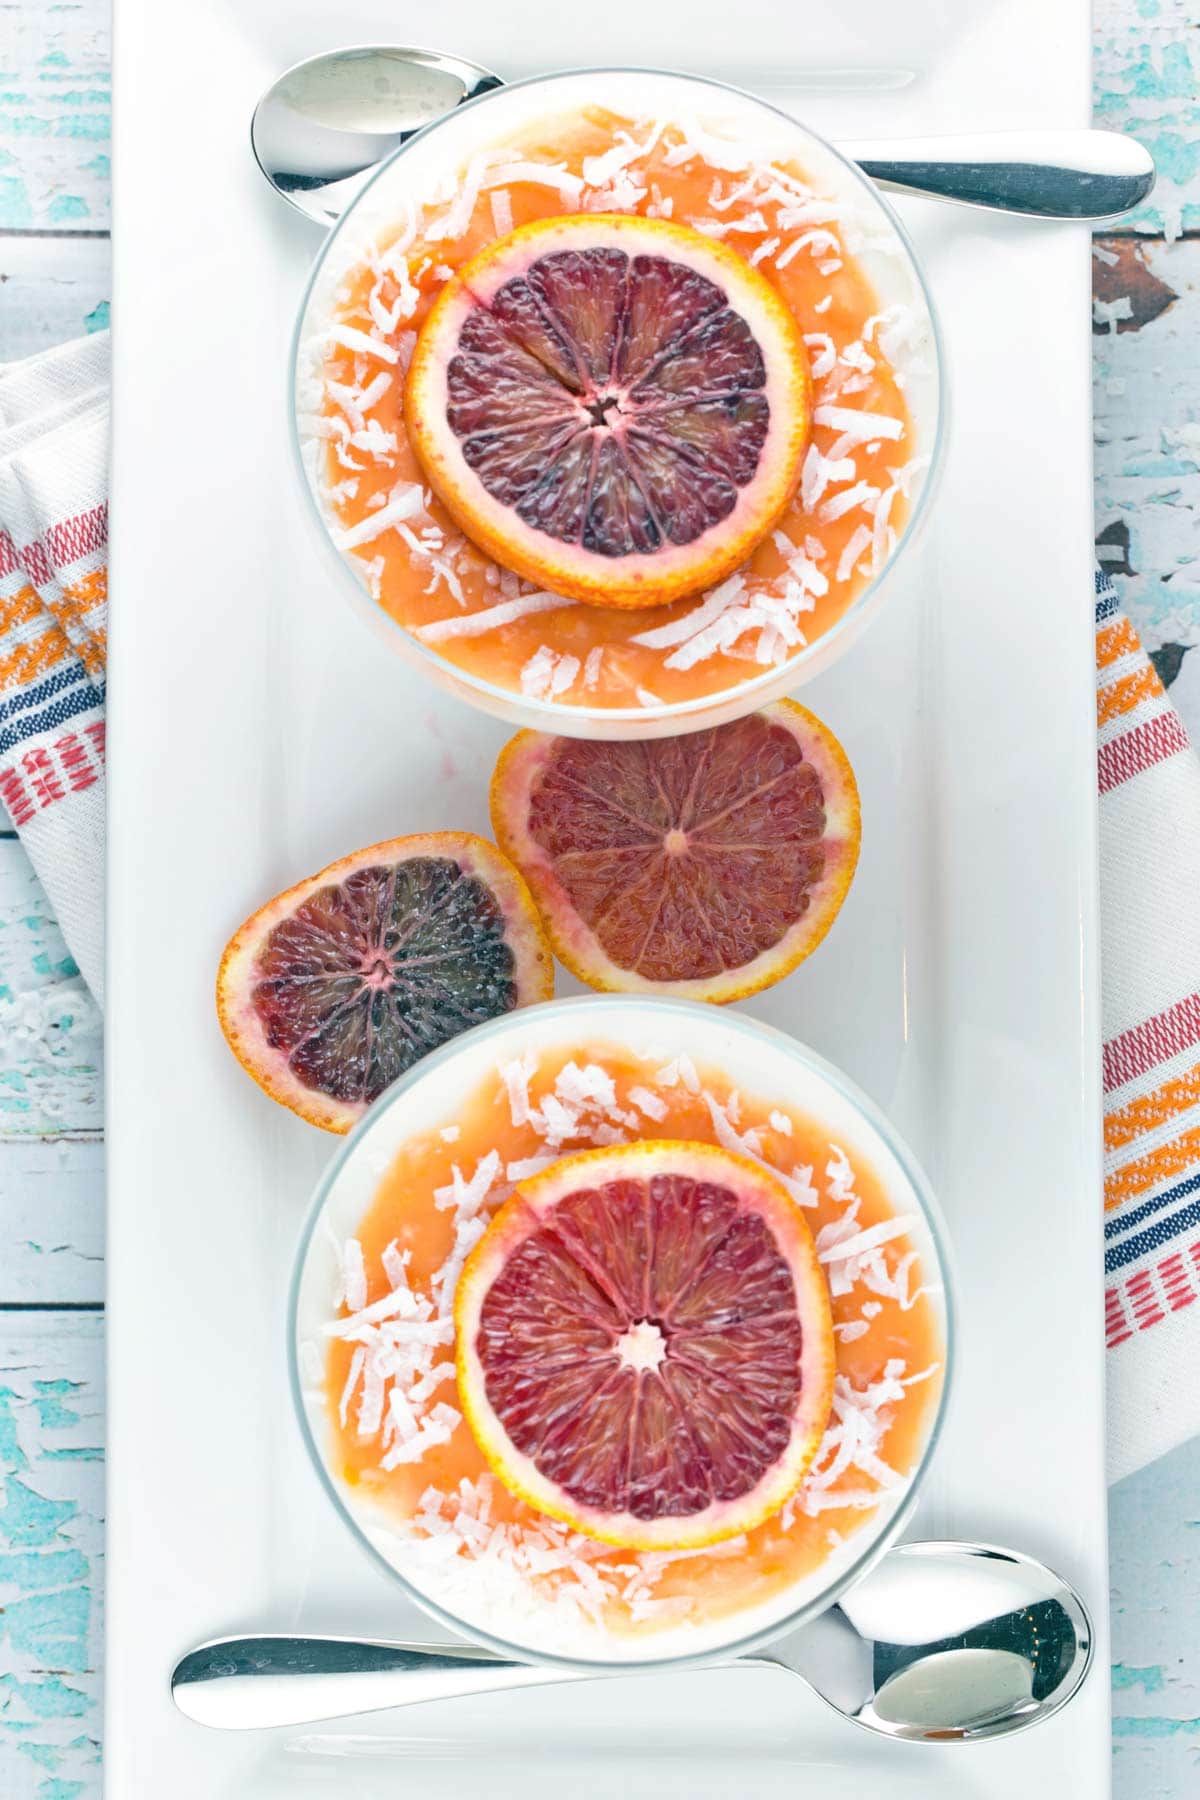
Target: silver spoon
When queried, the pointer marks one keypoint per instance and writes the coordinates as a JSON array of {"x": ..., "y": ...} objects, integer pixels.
[
  {"x": 941, "y": 1642},
  {"x": 326, "y": 123}
]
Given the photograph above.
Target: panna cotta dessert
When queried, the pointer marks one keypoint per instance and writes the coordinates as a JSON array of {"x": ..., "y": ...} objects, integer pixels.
[
  {"x": 616, "y": 393},
  {"x": 620, "y": 1331}
]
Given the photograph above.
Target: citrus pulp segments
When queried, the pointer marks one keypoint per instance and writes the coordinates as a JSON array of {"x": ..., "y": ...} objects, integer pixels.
[
  {"x": 525, "y": 1212},
  {"x": 647, "y": 578},
  {"x": 244, "y": 1032},
  {"x": 525, "y": 759}
]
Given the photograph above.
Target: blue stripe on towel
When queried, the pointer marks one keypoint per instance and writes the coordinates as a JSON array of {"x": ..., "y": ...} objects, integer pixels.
[{"x": 1159, "y": 1234}]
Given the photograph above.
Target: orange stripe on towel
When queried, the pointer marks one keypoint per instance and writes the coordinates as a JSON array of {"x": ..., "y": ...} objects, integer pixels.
[
  {"x": 18, "y": 608},
  {"x": 1115, "y": 641},
  {"x": 71, "y": 609},
  {"x": 1152, "y": 1110},
  {"x": 1139, "y": 1176},
  {"x": 28, "y": 661},
  {"x": 1124, "y": 695}
]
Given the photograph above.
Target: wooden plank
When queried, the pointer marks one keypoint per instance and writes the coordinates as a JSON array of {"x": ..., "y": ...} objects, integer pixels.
[
  {"x": 1147, "y": 398},
  {"x": 55, "y": 115},
  {"x": 51, "y": 289},
  {"x": 50, "y": 1027},
  {"x": 1146, "y": 79},
  {"x": 51, "y": 1222},
  {"x": 1153, "y": 1520},
  {"x": 51, "y": 1553},
  {"x": 1147, "y": 444}
]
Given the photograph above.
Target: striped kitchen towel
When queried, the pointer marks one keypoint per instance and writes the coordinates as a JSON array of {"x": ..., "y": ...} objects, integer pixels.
[
  {"x": 1150, "y": 946},
  {"x": 53, "y": 610}
]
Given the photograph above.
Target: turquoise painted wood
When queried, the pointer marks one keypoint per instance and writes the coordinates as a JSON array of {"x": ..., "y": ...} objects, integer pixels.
[
  {"x": 50, "y": 1028},
  {"x": 54, "y": 194},
  {"x": 1154, "y": 1519},
  {"x": 51, "y": 1358},
  {"x": 1147, "y": 76},
  {"x": 1147, "y": 324},
  {"x": 54, "y": 284},
  {"x": 51, "y": 1549},
  {"x": 51, "y": 289},
  {"x": 55, "y": 115}
]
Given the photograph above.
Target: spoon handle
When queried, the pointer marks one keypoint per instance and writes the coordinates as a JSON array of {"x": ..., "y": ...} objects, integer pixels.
[
  {"x": 246, "y": 1683},
  {"x": 1039, "y": 174}
]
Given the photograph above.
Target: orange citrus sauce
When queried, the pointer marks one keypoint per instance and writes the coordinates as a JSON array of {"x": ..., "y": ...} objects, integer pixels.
[
  {"x": 828, "y": 294},
  {"x": 789, "y": 1545}
]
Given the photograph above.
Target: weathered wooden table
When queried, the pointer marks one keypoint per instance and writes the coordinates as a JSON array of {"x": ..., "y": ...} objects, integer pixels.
[{"x": 54, "y": 216}]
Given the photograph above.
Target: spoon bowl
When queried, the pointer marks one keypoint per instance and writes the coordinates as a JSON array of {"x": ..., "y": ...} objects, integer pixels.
[
  {"x": 940, "y": 1643},
  {"x": 326, "y": 123}
]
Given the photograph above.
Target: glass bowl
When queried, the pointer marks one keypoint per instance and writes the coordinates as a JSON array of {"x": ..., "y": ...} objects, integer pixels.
[
  {"x": 445, "y": 147},
  {"x": 763, "y": 1063}
]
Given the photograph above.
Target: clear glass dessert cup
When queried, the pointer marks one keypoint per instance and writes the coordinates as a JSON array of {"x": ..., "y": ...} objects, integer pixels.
[
  {"x": 763, "y": 1063},
  {"x": 445, "y": 146}
]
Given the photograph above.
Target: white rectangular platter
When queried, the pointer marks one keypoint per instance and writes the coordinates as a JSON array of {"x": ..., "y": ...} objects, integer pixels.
[{"x": 258, "y": 732}]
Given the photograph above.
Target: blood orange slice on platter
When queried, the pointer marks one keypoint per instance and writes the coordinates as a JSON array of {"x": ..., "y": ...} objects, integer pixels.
[
  {"x": 645, "y": 1346},
  {"x": 706, "y": 866},
  {"x": 614, "y": 407},
  {"x": 331, "y": 991}
]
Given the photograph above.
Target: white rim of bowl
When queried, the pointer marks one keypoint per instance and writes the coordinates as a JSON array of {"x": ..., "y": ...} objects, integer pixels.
[
  {"x": 591, "y": 1005},
  {"x": 555, "y": 712}
]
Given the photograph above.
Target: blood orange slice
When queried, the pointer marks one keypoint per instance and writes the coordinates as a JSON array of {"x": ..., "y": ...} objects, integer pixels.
[
  {"x": 645, "y": 1344},
  {"x": 706, "y": 866},
  {"x": 333, "y": 989},
  {"x": 614, "y": 407}
]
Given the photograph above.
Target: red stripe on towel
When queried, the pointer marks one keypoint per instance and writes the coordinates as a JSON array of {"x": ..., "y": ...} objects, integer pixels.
[
  {"x": 46, "y": 773},
  {"x": 1153, "y": 741},
  {"x": 1143, "y": 1047},
  {"x": 58, "y": 547}
]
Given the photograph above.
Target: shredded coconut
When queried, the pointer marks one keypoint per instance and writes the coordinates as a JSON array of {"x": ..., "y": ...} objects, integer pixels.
[
  {"x": 863, "y": 1241},
  {"x": 516, "y": 1076},
  {"x": 850, "y": 1329},
  {"x": 350, "y": 338},
  {"x": 597, "y": 170},
  {"x": 858, "y": 541},
  {"x": 352, "y": 1380},
  {"x": 466, "y": 1197},
  {"x": 819, "y": 472},
  {"x": 475, "y": 624},
  {"x": 859, "y": 427},
  {"x": 681, "y": 630},
  {"x": 406, "y": 502},
  {"x": 861, "y": 494},
  {"x": 354, "y": 1275},
  {"x": 826, "y": 355},
  {"x": 548, "y": 673},
  {"x": 717, "y": 152},
  {"x": 455, "y": 220},
  {"x": 551, "y": 175},
  {"x": 687, "y": 1073},
  {"x": 502, "y": 212},
  {"x": 814, "y": 241}
]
